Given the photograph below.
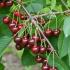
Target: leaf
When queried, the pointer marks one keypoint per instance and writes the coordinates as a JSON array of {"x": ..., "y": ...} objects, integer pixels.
[
  {"x": 63, "y": 45},
  {"x": 28, "y": 58},
  {"x": 4, "y": 41},
  {"x": 34, "y": 7},
  {"x": 66, "y": 26},
  {"x": 1, "y": 66},
  {"x": 53, "y": 4}
]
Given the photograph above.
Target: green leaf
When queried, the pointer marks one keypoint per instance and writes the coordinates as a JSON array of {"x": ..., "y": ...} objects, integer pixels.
[
  {"x": 34, "y": 7},
  {"x": 28, "y": 58},
  {"x": 1, "y": 66},
  {"x": 66, "y": 26},
  {"x": 4, "y": 41},
  {"x": 53, "y": 4}
]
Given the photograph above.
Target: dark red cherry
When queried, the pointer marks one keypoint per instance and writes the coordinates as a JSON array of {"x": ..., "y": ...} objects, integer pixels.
[
  {"x": 35, "y": 49},
  {"x": 36, "y": 38},
  {"x": 45, "y": 61},
  {"x": 39, "y": 59},
  {"x": 17, "y": 40},
  {"x": 6, "y": 20},
  {"x": 42, "y": 49},
  {"x": 17, "y": 13},
  {"x": 56, "y": 32},
  {"x": 12, "y": 25},
  {"x": 31, "y": 42},
  {"x": 18, "y": 47},
  {"x": 25, "y": 41},
  {"x": 9, "y": 3},
  {"x": 22, "y": 17},
  {"x": 29, "y": 46},
  {"x": 15, "y": 21},
  {"x": 45, "y": 67},
  {"x": 2, "y": 4},
  {"x": 48, "y": 32},
  {"x": 53, "y": 68},
  {"x": 20, "y": 26},
  {"x": 14, "y": 30}
]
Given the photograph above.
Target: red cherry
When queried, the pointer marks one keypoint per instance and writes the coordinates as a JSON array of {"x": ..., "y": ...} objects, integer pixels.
[
  {"x": 15, "y": 21},
  {"x": 31, "y": 42},
  {"x": 35, "y": 49},
  {"x": 36, "y": 38},
  {"x": 25, "y": 41},
  {"x": 12, "y": 25},
  {"x": 9, "y": 3},
  {"x": 20, "y": 26},
  {"x": 42, "y": 49},
  {"x": 17, "y": 40},
  {"x": 45, "y": 61},
  {"x": 48, "y": 32},
  {"x": 45, "y": 67},
  {"x": 39, "y": 59},
  {"x": 56, "y": 32},
  {"x": 18, "y": 47},
  {"x": 6, "y": 20},
  {"x": 17, "y": 13},
  {"x": 22, "y": 17},
  {"x": 15, "y": 30},
  {"x": 2, "y": 4},
  {"x": 29, "y": 46}
]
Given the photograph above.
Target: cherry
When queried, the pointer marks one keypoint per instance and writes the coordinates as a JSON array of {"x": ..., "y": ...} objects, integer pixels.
[
  {"x": 45, "y": 67},
  {"x": 17, "y": 13},
  {"x": 18, "y": 47},
  {"x": 48, "y": 32},
  {"x": 12, "y": 25},
  {"x": 29, "y": 46},
  {"x": 17, "y": 40},
  {"x": 39, "y": 59},
  {"x": 42, "y": 49},
  {"x": 22, "y": 17},
  {"x": 31, "y": 42},
  {"x": 45, "y": 61},
  {"x": 20, "y": 26},
  {"x": 15, "y": 21},
  {"x": 25, "y": 41},
  {"x": 9, "y": 3},
  {"x": 6, "y": 20},
  {"x": 51, "y": 68},
  {"x": 15, "y": 30},
  {"x": 56, "y": 32},
  {"x": 36, "y": 38},
  {"x": 35, "y": 49},
  {"x": 2, "y": 4}
]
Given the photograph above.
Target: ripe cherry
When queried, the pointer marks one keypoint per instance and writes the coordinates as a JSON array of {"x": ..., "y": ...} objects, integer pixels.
[
  {"x": 25, "y": 41},
  {"x": 20, "y": 26},
  {"x": 6, "y": 20},
  {"x": 42, "y": 49},
  {"x": 39, "y": 59},
  {"x": 45, "y": 67},
  {"x": 2, "y": 4},
  {"x": 12, "y": 25},
  {"x": 48, "y": 32},
  {"x": 9, "y": 3},
  {"x": 35, "y": 49},
  {"x": 17, "y": 40},
  {"x": 14, "y": 30},
  {"x": 56, "y": 32},
  {"x": 18, "y": 47},
  {"x": 53, "y": 68},
  {"x": 22, "y": 17},
  {"x": 31, "y": 42},
  {"x": 15, "y": 21},
  {"x": 45, "y": 61},
  {"x": 17, "y": 13}
]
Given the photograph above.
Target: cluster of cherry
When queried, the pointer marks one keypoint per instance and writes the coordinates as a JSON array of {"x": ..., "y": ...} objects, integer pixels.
[
  {"x": 6, "y": 3},
  {"x": 31, "y": 42}
]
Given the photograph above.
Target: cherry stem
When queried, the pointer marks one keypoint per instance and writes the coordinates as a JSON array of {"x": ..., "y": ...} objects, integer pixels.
[
  {"x": 53, "y": 59},
  {"x": 56, "y": 23}
]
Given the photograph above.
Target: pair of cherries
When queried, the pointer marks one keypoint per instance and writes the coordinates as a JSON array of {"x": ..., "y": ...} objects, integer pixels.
[
  {"x": 49, "y": 32},
  {"x": 6, "y": 3},
  {"x": 13, "y": 25}
]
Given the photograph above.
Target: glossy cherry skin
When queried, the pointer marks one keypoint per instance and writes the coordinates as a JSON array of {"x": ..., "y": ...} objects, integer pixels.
[
  {"x": 18, "y": 47},
  {"x": 2, "y": 4},
  {"x": 25, "y": 41},
  {"x": 9, "y": 3},
  {"x": 17, "y": 13},
  {"x": 20, "y": 26},
  {"x": 45, "y": 67},
  {"x": 35, "y": 49},
  {"x": 15, "y": 21},
  {"x": 12, "y": 25},
  {"x": 31, "y": 42},
  {"x": 51, "y": 68},
  {"x": 6, "y": 20},
  {"x": 42, "y": 49},
  {"x": 45, "y": 61},
  {"x": 39, "y": 59},
  {"x": 56, "y": 32},
  {"x": 48, "y": 32}
]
